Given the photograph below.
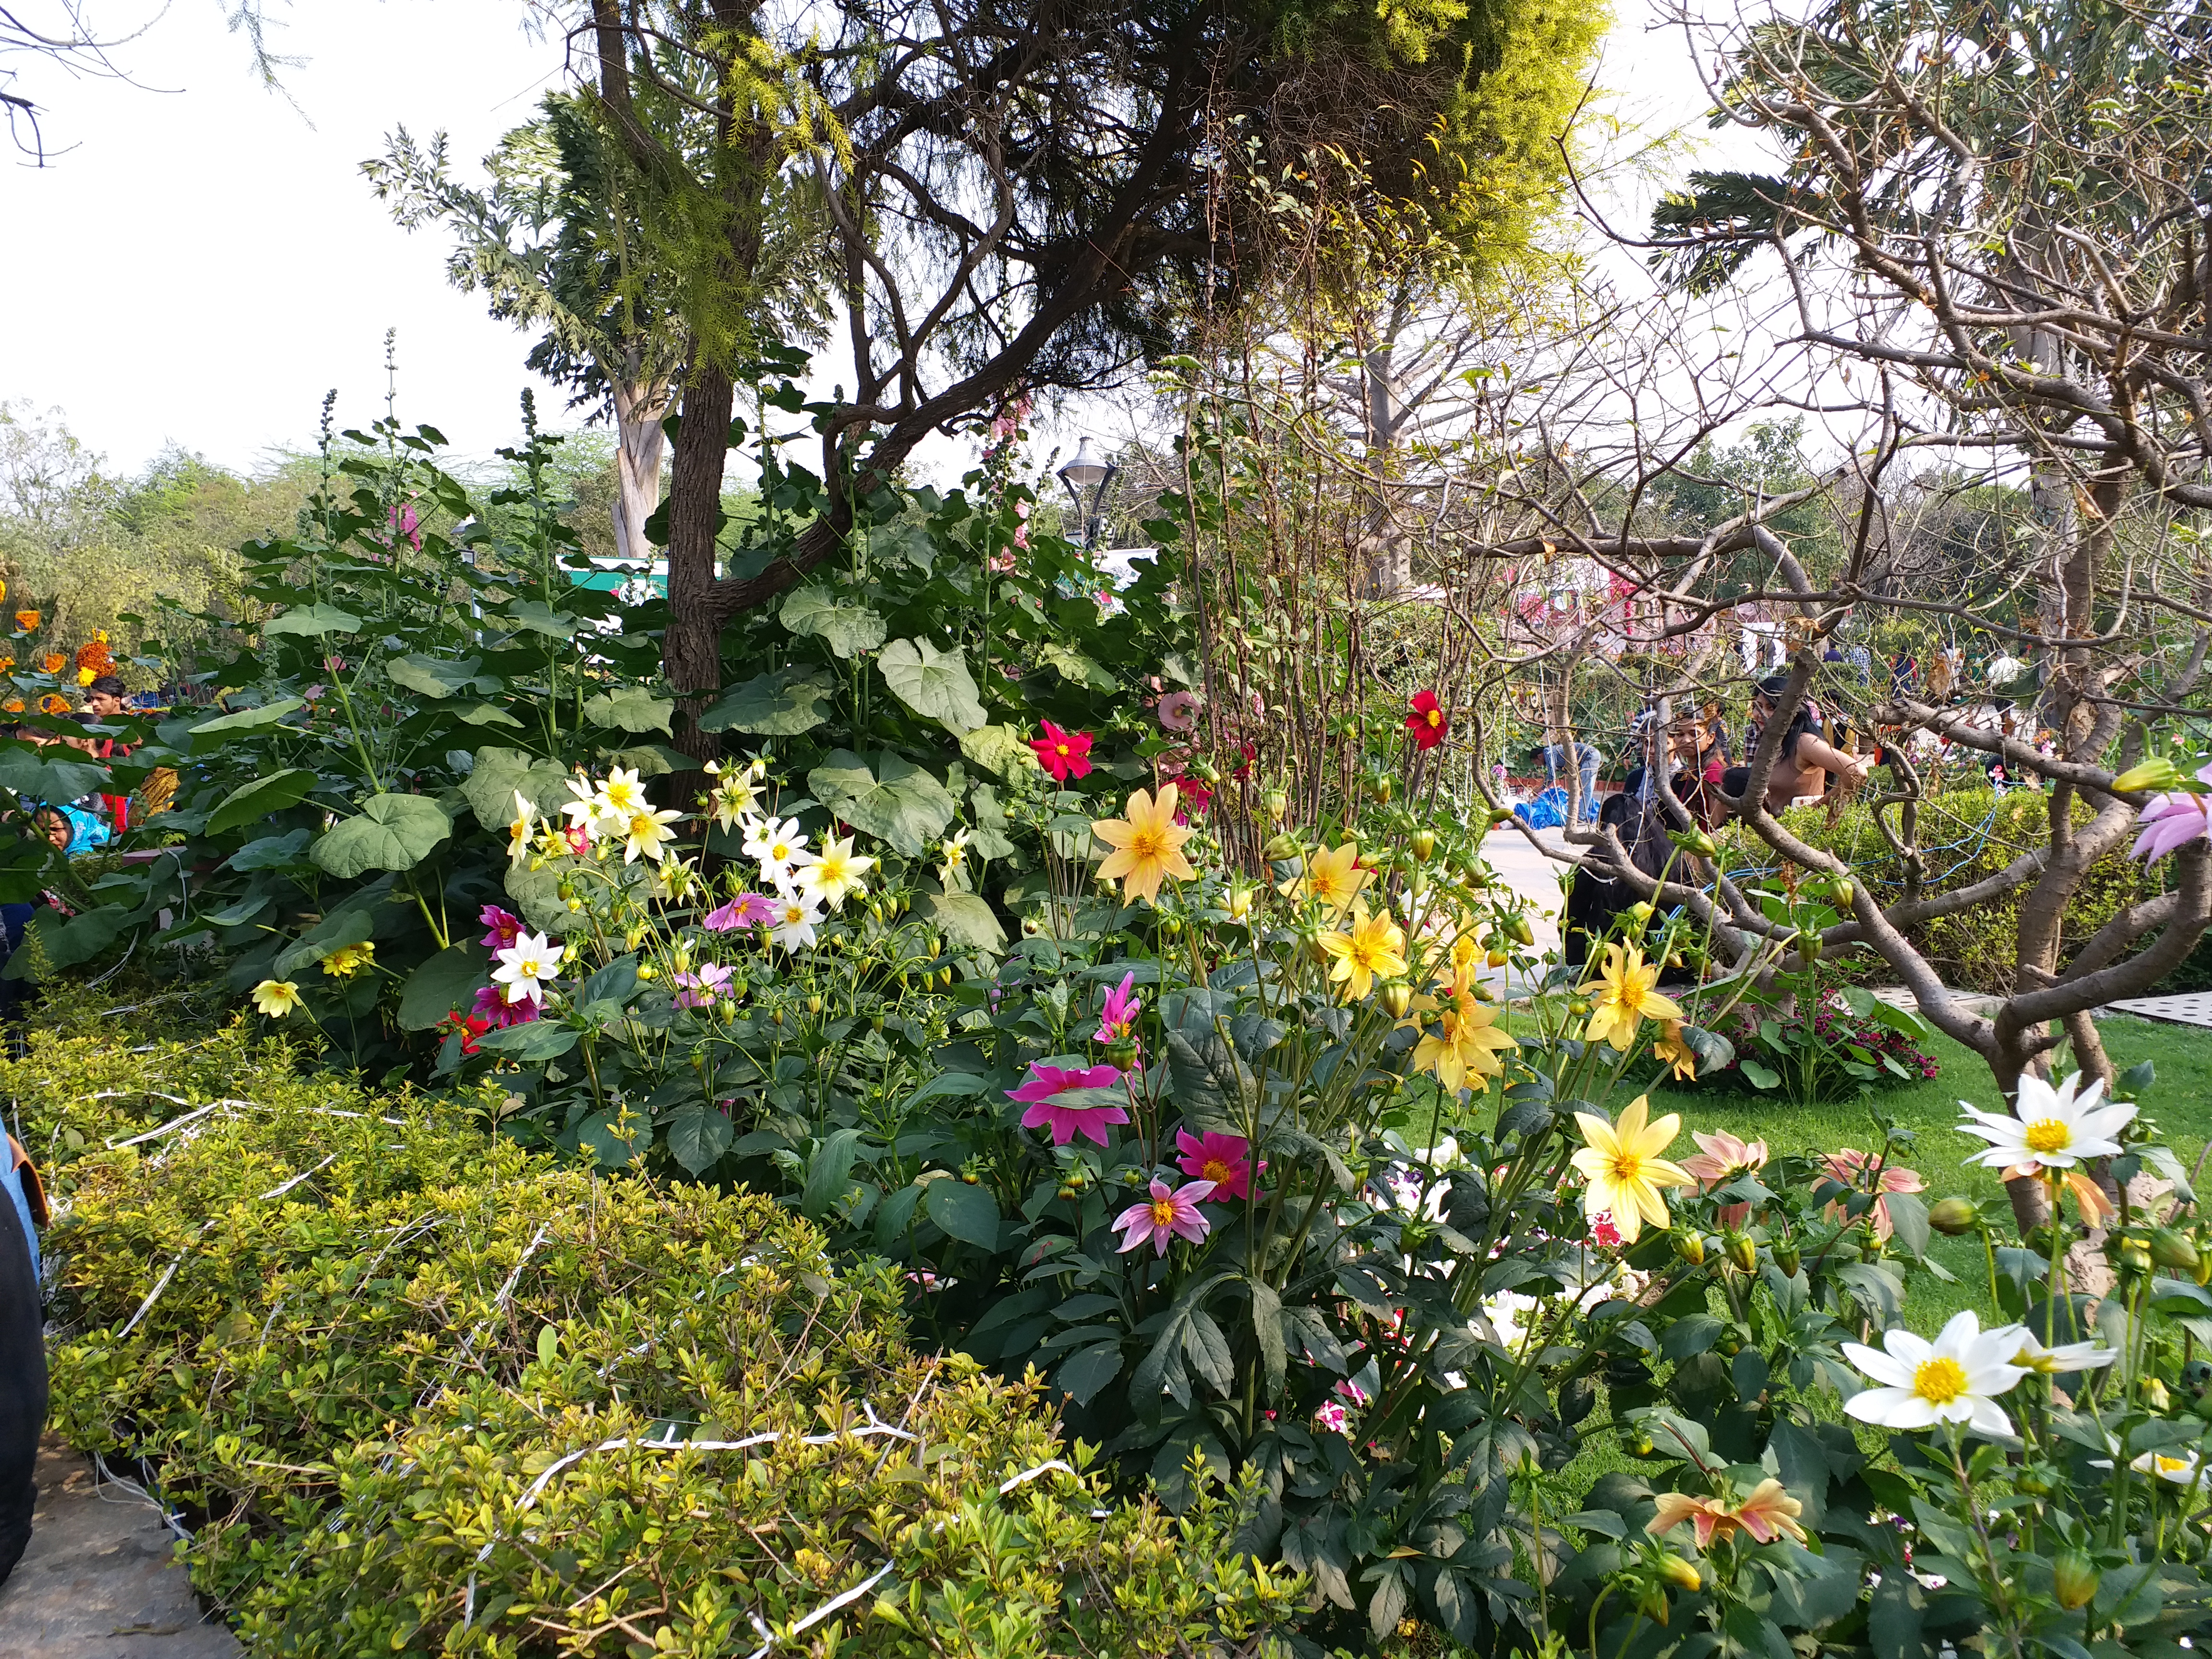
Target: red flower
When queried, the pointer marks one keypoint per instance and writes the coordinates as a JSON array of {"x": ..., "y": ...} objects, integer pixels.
[
  {"x": 1064, "y": 754},
  {"x": 1427, "y": 722}
]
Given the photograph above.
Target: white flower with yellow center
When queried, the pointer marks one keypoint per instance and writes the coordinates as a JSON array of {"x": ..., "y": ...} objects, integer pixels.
[
  {"x": 582, "y": 809},
  {"x": 619, "y": 800},
  {"x": 2066, "y": 1357},
  {"x": 1955, "y": 1379},
  {"x": 734, "y": 798},
  {"x": 519, "y": 828},
  {"x": 2183, "y": 1469},
  {"x": 834, "y": 874},
  {"x": 777, "y": 844},
  {"x": 796, "y": 918},
  {"x": 2048, "y": 1128},
  {"x": 525, "y": 966}
]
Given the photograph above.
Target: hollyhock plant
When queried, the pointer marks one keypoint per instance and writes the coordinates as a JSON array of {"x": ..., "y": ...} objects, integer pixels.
[
  {"x": 1427, "y": 721},
  {"x": 1069, "y": 1102},
  {"x": 1065, "y": 755},
  {"x": 1178, "y": 711},
  {"x": 1168, "y": 1214},
  {"x": 746, "y": 910},
  {"x": 2172, "y": 820},
  {"x": 1224, "y": 1160}
]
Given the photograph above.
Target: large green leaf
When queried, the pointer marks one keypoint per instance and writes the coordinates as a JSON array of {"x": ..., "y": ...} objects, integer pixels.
[
  {"x": 537, "y": 896},
  {"x": 1000, "y": 750},
  {"x": 223, "y": 727},
  {"x": 390, "y": 832},
  {"x": 65, "y": 944},
  {"x": 479, "y": 713},
  {"x": 847, "y": 629},
  {"x": 1075, "y": 667},
  {"x": 312, "y": 621},
  {"x": 934, "y": 683},
  {"x": 536, "y": 617},
  {"x": 897, "y": 802},
  {"x": 698, "y": 1135},
  {"x": 499, "y": 772},
  {"x": 629, "y": 708},
  {"x": 969, "y": 1213},
  {"x": 781, "y": 703},
  {"x": 250, "y": 803},
  {"x": 33, "y": 777},
  {"x": 436, "y": 677},
  {"x": 447, "y": 981},
  {"x": 968, "y": 917}
]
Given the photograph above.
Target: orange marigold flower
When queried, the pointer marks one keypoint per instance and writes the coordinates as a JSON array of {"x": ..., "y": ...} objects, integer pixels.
[
  {"x": 95, "y": 655},
  {"x": 13, "y": 706},
  {"x": 28, "y": 621},
  {"x": 52, "y": 663},
  {"x": 53, "y": 704}
]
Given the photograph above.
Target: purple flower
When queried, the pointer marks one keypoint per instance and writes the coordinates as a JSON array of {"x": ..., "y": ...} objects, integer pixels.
[
  {"x": 500, "y": 929},
  {"x": 746, "y": 910},
  {"x": 491, "y": 1005},
  {"x": 701, "y": 989},
  {"x": 1068, "y": 1101},
  {"x": 1118, "y": 1019},
  {"x": 2171, "y": 820}
]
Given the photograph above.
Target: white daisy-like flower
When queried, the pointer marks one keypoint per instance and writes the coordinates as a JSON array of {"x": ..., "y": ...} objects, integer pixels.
[
  {"x": 2185, "y": 1469},
  {"x": 519, "y": 828},
  {"x": 525, "y": 967},
  {"x": 1954, "y": 1379},
  {"x": 583, "y": 808},
  {"x": 734, "y": 796},
  {"x": 796, "y": 918},
  {"x": 2047, "y": 1129},
  {"x": 777, "y": 843},
  {"x": 2066, "y": 1357},
  {"x": 645, "y": 833}
]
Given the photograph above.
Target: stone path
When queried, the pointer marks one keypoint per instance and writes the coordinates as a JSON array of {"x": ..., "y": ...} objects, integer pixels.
[{"x": 99, "y": 1578}]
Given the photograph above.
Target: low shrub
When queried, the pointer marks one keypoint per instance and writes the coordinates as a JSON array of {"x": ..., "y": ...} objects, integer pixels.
[{"x": 422, "y": 1390}]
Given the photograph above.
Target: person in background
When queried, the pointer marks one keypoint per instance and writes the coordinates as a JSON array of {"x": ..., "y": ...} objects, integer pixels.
[
  {"x": 22, "y": 1350},
  {"x": 106, "y": 701},
  {"x": 1807, "y": 758}
]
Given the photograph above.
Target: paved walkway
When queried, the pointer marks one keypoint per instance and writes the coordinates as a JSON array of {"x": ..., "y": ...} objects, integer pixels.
[{"x": 100, "y": 1578}]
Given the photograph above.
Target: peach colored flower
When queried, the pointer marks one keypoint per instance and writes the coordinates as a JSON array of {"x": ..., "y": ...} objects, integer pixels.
[
  {"x": 1850, "y": 1166},
  {"x": 1768, "y": 1514}
]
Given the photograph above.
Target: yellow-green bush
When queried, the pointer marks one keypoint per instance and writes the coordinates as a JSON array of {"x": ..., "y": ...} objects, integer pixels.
[
  {"x": 381, "y": 1335},
  {"x": 1967, "y": 835}
]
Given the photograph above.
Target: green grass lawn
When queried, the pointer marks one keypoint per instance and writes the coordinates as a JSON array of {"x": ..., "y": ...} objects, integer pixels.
[{"x": 2179, "y": 1102}]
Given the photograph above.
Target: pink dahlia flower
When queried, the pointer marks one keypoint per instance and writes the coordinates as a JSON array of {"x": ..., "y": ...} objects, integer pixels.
[
  {"x": 700, "y": 990},
  {"x": 2172, "y": 820},
  {"x": 1072, "y": 1103},
  {"x": 1223, "y": 1160},
  {"x": 500, "y": 928},
  {"x": 1118, "y": 1018},
  {"x": 746, "y": 910},
  {"x": 1170, "y": 1212},
  {"x": 1850, "y": 1166}
]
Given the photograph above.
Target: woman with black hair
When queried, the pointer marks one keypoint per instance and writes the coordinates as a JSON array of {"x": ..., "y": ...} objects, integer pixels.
[{"x": 1801, "y": 768}]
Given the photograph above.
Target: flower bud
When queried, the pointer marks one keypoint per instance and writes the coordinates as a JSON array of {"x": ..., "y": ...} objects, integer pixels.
[
  {"x": 776, "y": 1015},
  {"x": 814, "y": 1005},
  {"x": 2157, "y": 772},
  {"x": 1691, "y": 1247},
  {"x": 1639, "y": 912},
  {"x": 1952, "y": 1217},
  {"x": 1495, "y": 958},
  {"x": 2073, "y": 1578},
  {"x": 1521, "y": 932},
  {"x": 1277, "y": 805},
  {"x": 1397, "y": 997},
  {"x": 1683, "y": 1575},
  {"x": 2135, "y": 1256},
  {"x": 1423, "y": 844},
  {"x": 646, "y": 970},
  {"x": 1846, "y": 896},
  {"x": 1121, "y": 1053},
  {"x": 875, "y": 1022},
  {"x": 2155, "y": 1396},
  {"x": 1381, "y": 787},
  {"x": 1786, "y": 1257},
  {"x": 2170, "y": 1249},
  {"x": 1281, "y": 849},
  {"x": 1696, "y": 842},
  {"x": 1499, "y": 815}
]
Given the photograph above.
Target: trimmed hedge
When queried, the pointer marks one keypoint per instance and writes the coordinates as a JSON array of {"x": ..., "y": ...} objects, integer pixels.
[
  {"x": 419, "y": 1391},
  {"x": 1966, "y": 835}
]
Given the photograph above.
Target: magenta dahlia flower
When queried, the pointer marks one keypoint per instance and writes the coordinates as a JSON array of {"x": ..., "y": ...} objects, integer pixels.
[
  {"x": 2171, "y": 820},
  {"x": 1072, "y": 1103},
  {"x": 1170, "y": 1212}
]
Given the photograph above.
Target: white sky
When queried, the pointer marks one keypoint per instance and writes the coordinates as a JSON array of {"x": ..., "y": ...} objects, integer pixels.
[{"x": 207, "y": 260}]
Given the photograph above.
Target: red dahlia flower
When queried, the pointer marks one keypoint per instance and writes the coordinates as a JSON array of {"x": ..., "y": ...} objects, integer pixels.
[
  {"x": 1064, "y": 754},
  {"x": 1428, "y": 723}
]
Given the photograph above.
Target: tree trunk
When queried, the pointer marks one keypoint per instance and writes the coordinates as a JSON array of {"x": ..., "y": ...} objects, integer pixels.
[
  {"x": 639, "y": 407},
  {"x": 691, "y": 646}
]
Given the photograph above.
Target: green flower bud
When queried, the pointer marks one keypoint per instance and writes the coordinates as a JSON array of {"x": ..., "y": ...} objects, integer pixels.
[
  {"x": 2170, "y": 1249},
  {"x": 2074, "y": 1576},
  {"x": 1952, "y": 1216}
]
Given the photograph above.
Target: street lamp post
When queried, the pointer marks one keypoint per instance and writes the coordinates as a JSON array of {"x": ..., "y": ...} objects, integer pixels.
[{"x": 1087, "y": 472}]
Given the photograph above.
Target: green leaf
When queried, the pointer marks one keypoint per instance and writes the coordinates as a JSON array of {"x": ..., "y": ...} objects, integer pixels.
[
  {"x": 312, "y": 621},
  {"x": 548, "y": 1344},
  {"x": 447, "y": 981},
  {"x": 436, "y": 677},
  {"x": 540, "y": 1040},
  {"x": 698, "y": 1135},
  {"x": 783, "y": 702},
  {"x": 250, "y": 803},
  {"x": 898, "y": 802},
  {"x": 390, "y": 832},
  {"x": 1087, "y": 1370},
  {"x": 498, "y": 772},
  {"x": 347, "y": 927},
  {"x": 967, "y": 917},
  {"x": 830, "y": 1173},
  {"x": 65, "y": 944},
  {"x": 1760, "y": 1077},
  {"x": 537, "y": 896},
  {"x": 1267, "y": 1327},
  {"x": 846, "y": 629},
  {"x": 631, "y": 708},
  {"x": 1075, "y": 668},
  {"x": 936, "y": 684},
  {"x": 1908, "y": 1218},
  {"x": 536, "y": 617},
  {"x": 999, "y": 750},
  {"x": 35, "y": 778},
  {"x": 968, "y": 1213},
  {"x": 484, "y": 714},
  {"x": 223, "y": 727}
]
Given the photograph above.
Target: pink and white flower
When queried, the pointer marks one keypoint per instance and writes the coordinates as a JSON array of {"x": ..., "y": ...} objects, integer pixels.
[
  {"x": 746, "y": 910},
  {"x": 1168, "y": 1213},
  {"x": 701, "y": 989}
]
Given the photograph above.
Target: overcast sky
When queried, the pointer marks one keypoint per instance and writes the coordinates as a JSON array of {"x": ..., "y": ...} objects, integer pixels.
[{"x": 202, "y": 261}]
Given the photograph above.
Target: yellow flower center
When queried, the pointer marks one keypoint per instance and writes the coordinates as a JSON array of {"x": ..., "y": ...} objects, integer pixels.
[
  {"x": 1060, "y": 748},
  {"x": 2049, "y": 1134},
  {"x": 781, "y": 851},
  {"x": 643, "y": 826},
  {"x": 1149, "y": 841},
  {"x": 1627, "y": 1168},
  {"x": 1435, "y": 717},
  {"x": 1939, "y": 1381},
  {"x": 1164, "y": 1212},
  {"x": 1215, "y": 1171}
]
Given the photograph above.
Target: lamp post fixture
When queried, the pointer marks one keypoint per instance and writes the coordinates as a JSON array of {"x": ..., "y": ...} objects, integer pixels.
[{"x": 1087, "y": 472}]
